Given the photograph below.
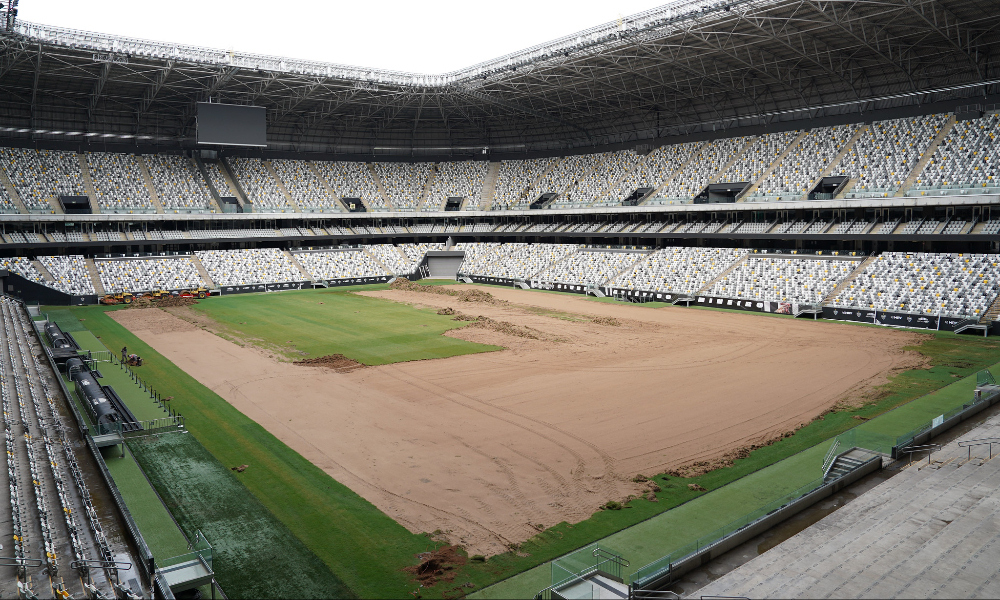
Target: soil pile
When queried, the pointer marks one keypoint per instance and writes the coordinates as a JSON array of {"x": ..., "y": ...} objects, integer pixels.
[
  {"x": 610, "y": 321},
  {"x": 444, "y": 290},
  {"x": 436, "y": 566},
  {"x": 337, "y": 362},
  {"x": 498, "y": 326},
  {"x": 164, "y": 303}
]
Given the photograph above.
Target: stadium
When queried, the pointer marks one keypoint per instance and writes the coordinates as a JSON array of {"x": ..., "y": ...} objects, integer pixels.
[{"x": 701, "y": 302}]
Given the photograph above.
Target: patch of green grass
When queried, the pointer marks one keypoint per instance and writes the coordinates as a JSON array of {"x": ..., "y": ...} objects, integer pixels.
[
  {"x": 246, "y": 537},
  {"x": 364, "y": 549},
  {"x": 313, "y": 323},
  {"x": 158, "y": 529}
]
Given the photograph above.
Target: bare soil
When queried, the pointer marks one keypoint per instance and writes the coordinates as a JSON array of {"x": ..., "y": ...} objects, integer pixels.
[
  {"x": 487, "y": 447},
  {"x": 337, "y": 362}
]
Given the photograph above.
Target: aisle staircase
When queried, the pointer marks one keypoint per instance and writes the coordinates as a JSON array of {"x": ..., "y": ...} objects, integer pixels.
[
  {"x": 381, "y": 188},
  {"x": 95, "y": 276},
  {"x": 281, "y": 186},
  {"x": 993, "y": 312},
  {"x": 43, "y": 271},
  {"x": 16, "y": 198},
  {"x": 489, "y": 186},
  {"x": 88, "y": 183},
  {"x": 298, "y": 265},
  {"x": 774, "y": 165},
  {"x": 847, "y": 280},
  {"x": 680, "y": 169},
  {"x": 147, "y": 179},
  {"x": 421, "y": 201},
  {"x": 203, "y": 271},
  {"x": 926, "y": 157},
  {"x": 721, "y": 275}
]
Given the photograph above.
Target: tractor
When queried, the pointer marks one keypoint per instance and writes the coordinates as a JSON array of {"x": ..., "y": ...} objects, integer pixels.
[{"x": 119, "y": 298}]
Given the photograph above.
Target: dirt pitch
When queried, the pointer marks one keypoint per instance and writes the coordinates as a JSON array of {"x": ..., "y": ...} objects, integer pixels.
[{"x": 488, "y": 448}]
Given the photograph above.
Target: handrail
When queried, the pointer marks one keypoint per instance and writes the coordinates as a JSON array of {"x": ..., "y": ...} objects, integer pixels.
[
  {"x": 928, "y": 448},
  {"x": 980, "y": 442},
  {"x": 831, "y": 457}
]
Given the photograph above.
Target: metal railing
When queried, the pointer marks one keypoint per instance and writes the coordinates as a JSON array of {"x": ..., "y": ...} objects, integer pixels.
[
  {"x": 928, "y": 448},
  {"x": 831, "y": 457},
  {"x": 970, "y": 444}
]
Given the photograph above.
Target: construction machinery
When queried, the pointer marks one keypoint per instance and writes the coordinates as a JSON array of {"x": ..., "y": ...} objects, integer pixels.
[{"x": 119, "y": 298}]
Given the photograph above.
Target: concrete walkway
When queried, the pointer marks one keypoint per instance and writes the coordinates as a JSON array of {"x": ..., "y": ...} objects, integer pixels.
[{"x": 931, "y": 531}]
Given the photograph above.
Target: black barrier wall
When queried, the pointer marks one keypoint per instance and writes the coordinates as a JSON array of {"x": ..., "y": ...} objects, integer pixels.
[{"x": 28, "y": 291}]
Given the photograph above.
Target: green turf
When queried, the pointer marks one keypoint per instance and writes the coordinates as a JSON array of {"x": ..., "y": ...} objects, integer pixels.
[
  {"x": 158, "y": 529},
  {"x": 364, "y": 548},
  {"x": 203, "y": 494},
  {"x": 317, "y": 323},
  {"x": 307, "y": 501}
]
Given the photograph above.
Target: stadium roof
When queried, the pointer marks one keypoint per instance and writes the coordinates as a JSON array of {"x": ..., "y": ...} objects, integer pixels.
[{"x": 686, "y": 66}]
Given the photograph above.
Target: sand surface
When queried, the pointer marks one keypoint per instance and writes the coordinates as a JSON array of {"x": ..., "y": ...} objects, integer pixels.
[{"x": 489, "y": 447}]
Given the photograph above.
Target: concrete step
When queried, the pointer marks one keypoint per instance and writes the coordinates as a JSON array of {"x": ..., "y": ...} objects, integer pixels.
[
  {"x": 148, "y": 180},
  {"x": 925, "y": 157},
  {"x": 88, "y": 183},
  {"x": 16, "y": 198},
  {"x": 95, "y": 276},
  {"x": 854, "y": 274},
  {"x": 774, "y": 165},
  {"x": 489, "y": 186},
  {"x": 281, "y": 185},
  {"x": 381, "y": 188},
  {"x": 709, "y": 285},
  {"x": 298, "y": 265},
  {"x": 202, "y": 271},
  {"x": 43, "y": 271}
]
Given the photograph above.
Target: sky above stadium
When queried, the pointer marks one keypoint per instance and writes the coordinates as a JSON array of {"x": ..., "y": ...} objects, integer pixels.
[{"x": 433, "y": 36}]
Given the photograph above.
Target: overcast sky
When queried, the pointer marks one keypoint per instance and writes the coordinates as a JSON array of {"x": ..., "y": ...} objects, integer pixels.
[{"x": 434, "y": 36}]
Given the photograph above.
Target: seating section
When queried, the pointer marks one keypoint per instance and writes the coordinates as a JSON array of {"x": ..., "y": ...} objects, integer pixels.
[
  {"x": 570, "y": 171},
  {"x": 705, "y": 167},
  {"x": 303, "y": 186},
  {"x": 968, "y": 159},
  {"x": 416, "y": 252},
  {"x": 404, "y": 183},
  {"x": 345, "y": 264},
  {"x": 23, "y": 267},
  {"x": 70, "y": 274},
  {"x": 391, "y": 258},
  {"x": 352, "y": 180},
  {"x": 802, "y": 166},
  {"x": 118, "y": 182},
  {"x": 657, "y": 167},
  {"x": 588, "y": 267},
  {"x": 886, "y": 153},
  {"x": 462, "y": 179},
  {"x": 38, "y": 175},
  {"x": 947, "y": 284},
  {"x": 244, "y": 267},
  {"x": 678, "y": 270},
  {"x": 595, "y": 188},
  {"x": 516, "y": 182},
  {"x": 758, "y": 157},
  {"x": 805, "y": 281},
  {"x": 513, "y": 261},
  {"x": 6, "y": 203},
  {"x": 258, "y": 183},
  {"x": 148, "y": 275},
  {"x": 178, "y": 183}
]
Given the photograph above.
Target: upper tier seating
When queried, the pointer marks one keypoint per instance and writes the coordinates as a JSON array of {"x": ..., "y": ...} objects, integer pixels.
[
  {"x": 219, "y": 180},
  {"x": 515, "y": 182},
  {"x": 588, "y": 267},
  {"x": 6, "y": 203},
  {"x": 947, "y": 284},
  {"x": 344, "y": 264},
  {"x": 38, "y": 175},
  {"x": 244, "y": 267},
  {"x": 654, "y": 170},
  {"x": 147, "y": 275},
  {"x": 758, "y": 157},
  {"x": 804, "y": 281},
  {"x": 513, "y": 261},
  {"x": 178, "y": 183},
  {"x": 595, "y": 188},
  {"x": 884, "y": 155},
  {"x": 258, "y": 183},
  {"x": 352, "y": 180},
  {"x": 801, "y": 167},
  {"x": 118, "y": 182},
  {"x": 967, "y": 161},
  {"x": 678, "y": 270},
  {"x": 705, "y": 167},
  {"x": 416, "y": 252},
  {"x": 563, "y": 178},
  {"x": 70, "y": 274},
  {"x": 303, "y": 186},
  {"x": 404, "y": 183},
  {"x": 457, "y": 179}
]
